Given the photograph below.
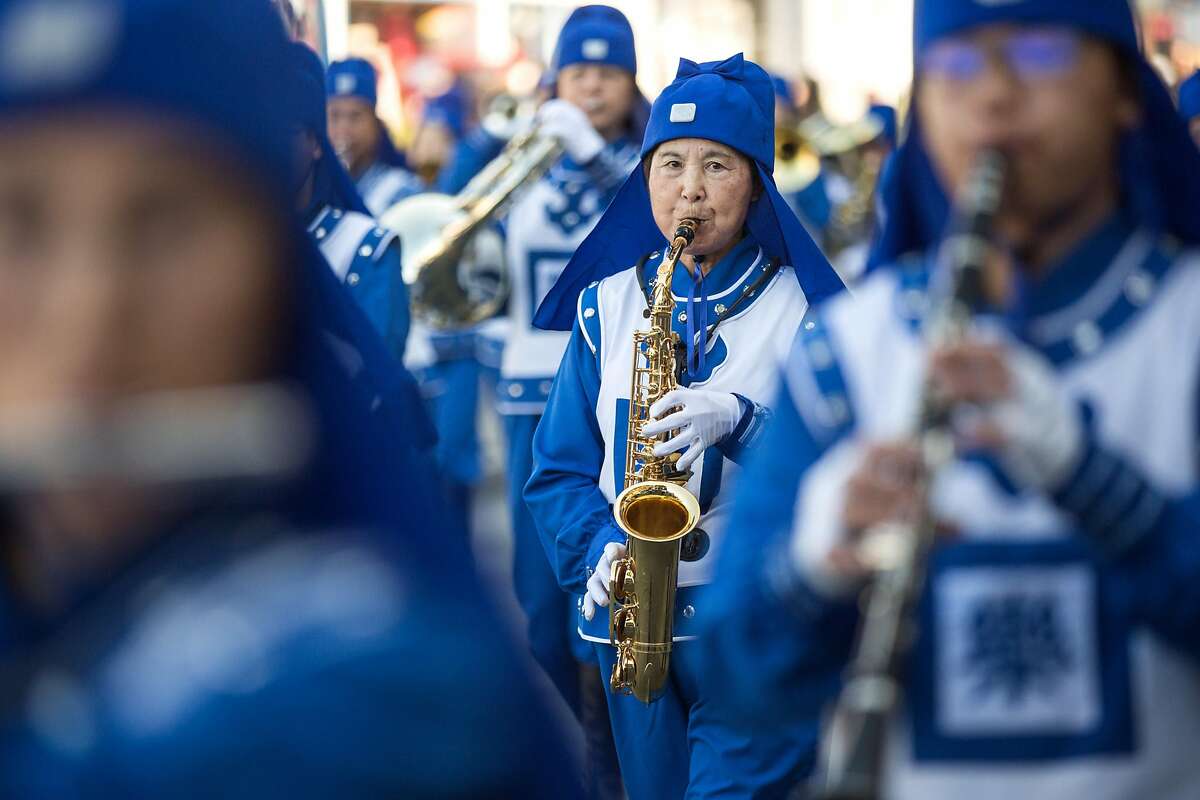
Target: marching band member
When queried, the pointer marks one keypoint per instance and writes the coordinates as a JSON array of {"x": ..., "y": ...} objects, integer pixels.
[
  {"x": 364, "y": 256},
  {"x": 1189, "y": 105},
  {"x": 598, "y": 114},
  {"x": 707, "y": 155},
  {"x": 362, "y": 140},
  {"x": 1059, "y": 627},
  {"x": 199, "y": 604}
]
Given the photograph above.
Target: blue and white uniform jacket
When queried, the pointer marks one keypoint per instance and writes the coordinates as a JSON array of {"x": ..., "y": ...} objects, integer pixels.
[
  {"x": 382, "y": 186},
  {"x": 579, "y": 448},
  {"x": 543, "y": 228},
  {"x": 1058, "y": 632},
  {"x": 366, "y": 259}
]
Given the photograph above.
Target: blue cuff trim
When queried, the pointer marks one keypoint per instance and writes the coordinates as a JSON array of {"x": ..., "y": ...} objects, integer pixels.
[
  {"x": 609, "y": 533},
  {"x": 1111, "y": 500},
  {"x": 749, "y": 430}
]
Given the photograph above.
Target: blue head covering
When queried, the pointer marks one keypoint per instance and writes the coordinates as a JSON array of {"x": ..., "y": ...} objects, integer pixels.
[
  {"x": 1159, "y": 165},
  {"x": 332, "y": 185},
  {"x": 217, "y": 67},
  {"x": 450, "y": 108},
  {"x": 598, "y": 35},
  {"x": 887, "y": 116},
  {"x": 1189, "y": 97},
  {"x": 783, "y": 90},
  {"x": 353, "y": 77},
  {"x": 731, "y": 102}
]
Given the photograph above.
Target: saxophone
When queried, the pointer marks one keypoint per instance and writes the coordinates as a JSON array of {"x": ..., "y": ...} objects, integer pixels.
[{"x": 654, "y": 510}]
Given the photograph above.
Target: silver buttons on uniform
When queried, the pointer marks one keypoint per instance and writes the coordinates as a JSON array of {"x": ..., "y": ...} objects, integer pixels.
[
  {"x": 1087, "y": 337},
  {"x": 365, "y": 250},
  {"x": 1138, "y": 288},
  {"x": 588, "y": 313},
  {"x": 720, "y": 308},
  {"x": 515, "y": 390},
  {"x": 689, "y": 611},
  {"x": 683, "y": 316},
  {"x": 544, "y": 387},
  {"x": 571, "y": 218},
  {"x": 352, "y": 279},
  {"x": 320, "y": 234}
]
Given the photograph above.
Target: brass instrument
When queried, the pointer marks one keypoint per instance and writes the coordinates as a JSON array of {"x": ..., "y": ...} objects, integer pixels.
[
  {"x": 853, "y": 219},
  {"x": 854, "y": 741},
  {"x": 655, "y": 509},
  {"x": 453, "y": 262},
  {"x": 797, "y": 163}
]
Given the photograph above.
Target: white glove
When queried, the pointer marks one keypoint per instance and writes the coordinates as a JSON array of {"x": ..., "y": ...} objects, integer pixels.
[
  {"x": 597, "y": 585},
  {"x": 569, "y": 124},
  {"x": 703, "y": 419},
  {"x": 1037, "y": 428},
  {"x": 818, "y": 524}
]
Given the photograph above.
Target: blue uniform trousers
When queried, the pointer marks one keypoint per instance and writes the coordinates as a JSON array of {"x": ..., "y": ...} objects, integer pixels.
[
  {"x": 451, "y": 390},
  {"x": 680, "y": 747},
  {"x": 549, "y": 610}
]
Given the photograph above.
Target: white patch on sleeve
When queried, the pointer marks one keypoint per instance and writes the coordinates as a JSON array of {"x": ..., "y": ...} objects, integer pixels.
[
  {"x": 683, "y": 112},
  {"x": 595, "y": 49}
]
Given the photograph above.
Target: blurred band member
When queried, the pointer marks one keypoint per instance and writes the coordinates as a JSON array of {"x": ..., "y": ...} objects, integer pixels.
[
  {"x": 707, "y": 155},
  {"x": 1059, "y": 628},
  {"x": 362, "y": 140},
  {"x": 598, "y": 115},
  {"x": 1189, "y": 105},
  {"x": 364, "y": 256},
  {"x": 222, "y": 576}
]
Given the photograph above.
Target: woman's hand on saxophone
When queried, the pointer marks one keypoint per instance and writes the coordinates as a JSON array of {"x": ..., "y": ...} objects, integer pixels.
[
  {"x": 597, "y": 585},
  {"x": 701, "y": 418}
]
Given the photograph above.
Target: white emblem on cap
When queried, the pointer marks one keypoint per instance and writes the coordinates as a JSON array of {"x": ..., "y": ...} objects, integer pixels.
[
  {"x": 56, "y": 43},
  {"x": 344, "y": 84},
  {"x": 595, "y": 49},
  {"x": 683, "y": 112}
]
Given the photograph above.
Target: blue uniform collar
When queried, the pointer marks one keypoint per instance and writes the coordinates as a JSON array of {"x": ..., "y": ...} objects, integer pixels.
[
  {"x": 1075, "y": 275},
  {"x": 1083, "y": 303}
]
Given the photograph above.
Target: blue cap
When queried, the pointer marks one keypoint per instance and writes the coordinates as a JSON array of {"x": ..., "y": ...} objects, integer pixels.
[
  {"x": 731, "y": 102},
  {"x": 783, "y": 90},
  {"x": 1110, "y": 20},
  {"x": 1158, "y": 163},
  {"x": 886, "y": 116},
  {"x": 596, "y": 35},
  {"x": 452, "y": 108},
  {"x": 1189, "y": 97},
  {"x": 354, "y": 77}
]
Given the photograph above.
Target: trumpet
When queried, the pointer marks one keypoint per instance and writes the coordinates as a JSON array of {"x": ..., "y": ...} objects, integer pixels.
[
  {"x": 853, "y": 743},
  {"x": 452, "y": 261}
]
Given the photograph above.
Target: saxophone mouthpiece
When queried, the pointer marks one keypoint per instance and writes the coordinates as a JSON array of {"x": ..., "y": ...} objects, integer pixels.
[{"x": 686, "y": 231}]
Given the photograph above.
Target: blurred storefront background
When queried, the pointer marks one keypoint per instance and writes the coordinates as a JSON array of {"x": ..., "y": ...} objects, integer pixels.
[{"x": 856, "y": 51}]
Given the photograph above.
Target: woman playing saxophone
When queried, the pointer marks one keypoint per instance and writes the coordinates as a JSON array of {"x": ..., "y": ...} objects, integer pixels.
[{"x": 699, "y": 258}]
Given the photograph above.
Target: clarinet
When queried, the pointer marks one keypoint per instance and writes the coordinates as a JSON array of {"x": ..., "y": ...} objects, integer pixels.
[{"x": 854, "y": 740}]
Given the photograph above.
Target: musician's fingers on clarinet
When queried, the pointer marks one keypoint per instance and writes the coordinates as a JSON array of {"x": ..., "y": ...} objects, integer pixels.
[
  {"x": 971, "y": 372},
  {"x": 884, "y": 487}
]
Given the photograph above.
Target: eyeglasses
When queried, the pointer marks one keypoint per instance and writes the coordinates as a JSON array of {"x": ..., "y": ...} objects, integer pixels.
[{"x": 1030, "y": 55}]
